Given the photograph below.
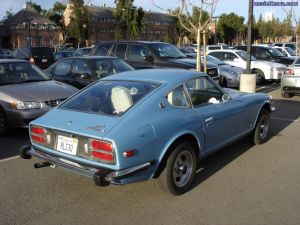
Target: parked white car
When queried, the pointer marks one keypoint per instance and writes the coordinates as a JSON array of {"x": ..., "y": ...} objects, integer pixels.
[
  {"x": 290, "y": 81},
  {"x": 265, "y": 70},
  {"x": 287, "y": 51}
]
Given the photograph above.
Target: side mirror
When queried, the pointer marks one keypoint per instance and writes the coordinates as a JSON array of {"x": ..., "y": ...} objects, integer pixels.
[{"x": 225, "y": 98}]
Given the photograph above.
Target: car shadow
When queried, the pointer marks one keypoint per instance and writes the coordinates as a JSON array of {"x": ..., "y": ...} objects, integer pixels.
[{"x": 287, "y": 112}]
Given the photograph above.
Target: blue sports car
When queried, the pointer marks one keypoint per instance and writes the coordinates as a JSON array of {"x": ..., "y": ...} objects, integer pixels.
[{"x": 146, "y": 124}]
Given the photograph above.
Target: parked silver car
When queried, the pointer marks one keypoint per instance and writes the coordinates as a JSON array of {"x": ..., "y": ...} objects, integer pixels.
[
  {"x": 290, "y": 81},
  {"x": 26, "y": 93}
]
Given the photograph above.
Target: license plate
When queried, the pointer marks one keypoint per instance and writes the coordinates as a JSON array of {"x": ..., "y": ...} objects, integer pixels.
[
  {"x": 44, "y": 60},
  {"x": 297, "y": 82},
  {"x": 66, "y": 145}
]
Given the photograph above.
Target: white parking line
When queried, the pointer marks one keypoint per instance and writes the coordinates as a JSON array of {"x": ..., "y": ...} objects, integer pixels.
[
  {"x": 277, "y": 118},
  {"x": 11, "y": 158}
]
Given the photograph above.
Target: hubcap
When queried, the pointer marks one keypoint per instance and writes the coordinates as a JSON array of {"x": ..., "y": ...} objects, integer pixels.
[
  {"x": 264, "y": 127},
  {"x": 183, "y": 168}
]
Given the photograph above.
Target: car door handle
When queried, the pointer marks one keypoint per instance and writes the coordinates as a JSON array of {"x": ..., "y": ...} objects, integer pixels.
[{"x": 209, "y": 120}]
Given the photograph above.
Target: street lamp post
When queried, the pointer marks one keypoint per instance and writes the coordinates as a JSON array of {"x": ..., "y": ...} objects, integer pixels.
[{"x": 215, "y": 36}]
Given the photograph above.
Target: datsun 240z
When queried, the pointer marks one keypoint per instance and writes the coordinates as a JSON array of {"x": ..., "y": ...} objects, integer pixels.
[{"x": 146, "y": 124}]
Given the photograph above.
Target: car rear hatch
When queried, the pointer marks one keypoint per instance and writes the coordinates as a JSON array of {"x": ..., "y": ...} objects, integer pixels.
[{"x": 42, "y": 56}]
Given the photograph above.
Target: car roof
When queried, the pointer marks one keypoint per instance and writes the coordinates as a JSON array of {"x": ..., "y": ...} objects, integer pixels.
[
  {"x": 225, "y": 50},
  {"x": 91, "y": 57},
  {"x": 133, "y": 41},
  {"x": 170, "y": 76},
  {"x": 12, "y": 60}
]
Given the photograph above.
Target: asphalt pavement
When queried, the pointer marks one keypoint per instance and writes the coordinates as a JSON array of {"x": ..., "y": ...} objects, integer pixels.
[{"x": 241, "y": 184}]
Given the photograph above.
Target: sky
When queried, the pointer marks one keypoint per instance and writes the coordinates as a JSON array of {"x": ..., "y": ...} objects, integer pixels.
[{"x": 239, "y": 7}]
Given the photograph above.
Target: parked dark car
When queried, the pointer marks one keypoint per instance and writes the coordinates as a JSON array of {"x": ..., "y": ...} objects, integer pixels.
[
  {"x": 64, "y": 54},
  {"x": 268, "y": 54},
  {"x": 5, "y": 53},
  {"x": 151, "y": 54},
  {"x": 26, "y": 93},
  {"x": 41, "y": 56},
  {"x": 81, "y": 71}
]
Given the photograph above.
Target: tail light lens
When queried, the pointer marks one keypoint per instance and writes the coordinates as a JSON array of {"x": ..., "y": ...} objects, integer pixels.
[
  {"x": 290, "y": 72},
  {"x": 31, "y": 60},
  {"x": 38, "y": 134},
  {"x": 102, "y": 151}
]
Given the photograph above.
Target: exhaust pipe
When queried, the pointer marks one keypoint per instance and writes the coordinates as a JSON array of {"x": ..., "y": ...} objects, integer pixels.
[{"x": 41, "y": 165}]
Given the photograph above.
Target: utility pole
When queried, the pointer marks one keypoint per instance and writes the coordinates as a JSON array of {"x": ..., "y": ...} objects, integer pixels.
[{"x": 247, "y": 79}]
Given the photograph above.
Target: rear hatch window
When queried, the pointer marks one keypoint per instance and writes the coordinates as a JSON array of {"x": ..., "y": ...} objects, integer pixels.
[
  {"x": 41, "y": 52},
  {"x": 109, "y": 97}
]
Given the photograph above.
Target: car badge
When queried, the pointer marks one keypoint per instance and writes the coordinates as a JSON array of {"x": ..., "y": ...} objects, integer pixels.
[
  {"x": 98, "y": 128},
  {"x": 69, "y": 123}
]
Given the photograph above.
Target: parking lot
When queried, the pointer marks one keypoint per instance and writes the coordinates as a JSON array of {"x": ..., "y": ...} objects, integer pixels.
[{"x": 242, "y": 184}]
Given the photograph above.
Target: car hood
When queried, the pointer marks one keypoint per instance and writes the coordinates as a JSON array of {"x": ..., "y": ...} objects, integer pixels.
[
  {"x": 234, "y": 94},
  {"x": 236, "y": 69},
  {"x": 191, "y": 62},
  {"x": 38, "y": 91},
  {"x": 89, "y": 124}
]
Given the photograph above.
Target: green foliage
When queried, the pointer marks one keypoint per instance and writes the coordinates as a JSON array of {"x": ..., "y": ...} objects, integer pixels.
[
  {"x": 80, "y": 21},
  {"x": 274, "y": 30},
  {"x": 229, "y": 26},
  {"x": 55, "y": 14},
  {"x": 136, "y": 17},
  {"x": 37, "y": 7},
  {"x": 8, "y": 15}
]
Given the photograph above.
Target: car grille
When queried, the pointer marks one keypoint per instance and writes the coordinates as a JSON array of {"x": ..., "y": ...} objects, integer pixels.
[
  {"x": 213, "y": 72},
  {"x": 54, "y": 103}
]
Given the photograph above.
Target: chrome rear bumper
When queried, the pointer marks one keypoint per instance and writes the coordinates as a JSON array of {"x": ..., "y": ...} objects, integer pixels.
[{"x": 101, "y": 176}]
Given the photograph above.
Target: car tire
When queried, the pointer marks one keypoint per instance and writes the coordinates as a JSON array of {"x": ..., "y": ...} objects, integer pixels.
[
  {"x": 262, "y": 128},
  {"x": 178, "y": 174},
  {"x": 4, "y": 126},
  {"x": 286, "y": 95},
  {"x": 260, "y": 77}
]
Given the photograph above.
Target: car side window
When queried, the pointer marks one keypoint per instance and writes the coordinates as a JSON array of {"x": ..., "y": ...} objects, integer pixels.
[
  {"x": 202, "y": 91},
  {"x": 138, "y": 53},
  {"x": 80, "y": 67},
  {"x": 62, "y": 68},
  {"x": 218, "y": 55},
  {"x": 228, "y": 56},
  {"x": 121, "y": 50},
  {"x": 262, "y": 53},
  {"x": 178, "y": 98},
  {"x": 103, "y": 49}
]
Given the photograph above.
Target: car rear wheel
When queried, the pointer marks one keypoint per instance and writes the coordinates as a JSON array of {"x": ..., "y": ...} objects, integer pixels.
[
  {"x": 261, "y": 131},
  {"x": 4, "y": 127},
  {"x": 286, "y": 95},
  {"x": 178, "y": 174}
]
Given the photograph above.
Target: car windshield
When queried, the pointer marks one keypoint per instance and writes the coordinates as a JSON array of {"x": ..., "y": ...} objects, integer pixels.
[
  {"x": 165, "y": 50},
  {"x": 243, "y": 55},
  {"x": 275, "y": 53},
  {"x": 290, "y": 51},
  {"x": 20, "y": 72},
  {"x": 112, "y": 98}
]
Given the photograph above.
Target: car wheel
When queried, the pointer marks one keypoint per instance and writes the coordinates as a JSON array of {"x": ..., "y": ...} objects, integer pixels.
[
  {"x": 4, "y": 127},
  {"x": 260, "y": 79},
  {"x": 178, "y": 174},
  {"x": 261, "y": 131},
  {"x": 286, "y": 95}
]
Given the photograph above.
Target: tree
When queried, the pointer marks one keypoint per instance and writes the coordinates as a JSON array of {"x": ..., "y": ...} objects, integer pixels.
[
  {"x": 37, "y": 7},
  {"x": 229, "y": 26},
  {"x": 8, "y": 15},
  {"x": 56, "y": 13},
  {"x": 198, "y": 24},
  {"x": 80, "y": 21},
  {"x": 130, "y": 17}
]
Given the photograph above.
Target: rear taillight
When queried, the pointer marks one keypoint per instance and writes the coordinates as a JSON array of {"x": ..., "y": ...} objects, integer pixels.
[
  {"x": 102, "y": 150},
  {"x": 290, "y": 72},
  {"x": 37, "y": 134}
]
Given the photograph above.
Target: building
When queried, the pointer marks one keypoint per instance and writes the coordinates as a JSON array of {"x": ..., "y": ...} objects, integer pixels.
[
  {"x": 105, "y": 26},
  {"x": 28, "y": 27}
]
